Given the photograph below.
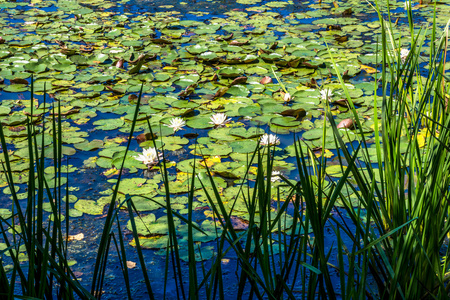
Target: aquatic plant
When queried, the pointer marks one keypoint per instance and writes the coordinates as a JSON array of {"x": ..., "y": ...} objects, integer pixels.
[
  {"x": 274, "y": 176},
  {"x": 269, "y": 140},
  {"x": 219, "y": 119},
  {"x": 402, "y": 217},
  {"x": 275, "y": 230},
  {"x": 407, "y": 4},
  {"x": 177, "y": 124},
  {"x": 326, "y": 94},
  {"x": 404, "y": 54},
  {"x": 149, "y": 156},
  {"x": 287, "y": 97}
]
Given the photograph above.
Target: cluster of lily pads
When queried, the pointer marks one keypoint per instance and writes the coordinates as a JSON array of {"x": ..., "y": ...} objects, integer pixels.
[{"x": 250, "y": 77}]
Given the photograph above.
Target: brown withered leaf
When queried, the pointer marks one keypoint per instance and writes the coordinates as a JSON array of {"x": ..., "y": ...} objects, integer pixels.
[
  {"x": 266, "y": 80},
  {"x": 130, "y": 264},
  {"x": 297, "y": 113},
  {"x": 187, "y": 91},
  {"x": 17, "y": 128},
  {"x": 222, "y": 91},
  {"x": 19, "y": 81},
  {"x": 76, "y": 237},
  {"x": 346, "y": 123},
  {"x": 144, "y": 137},
  {"x": 161, "y": 41},
  {"x": 239, "y": 80}
]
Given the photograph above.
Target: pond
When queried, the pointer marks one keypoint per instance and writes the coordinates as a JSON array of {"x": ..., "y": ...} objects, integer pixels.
[{"x": 266, "y": 66}]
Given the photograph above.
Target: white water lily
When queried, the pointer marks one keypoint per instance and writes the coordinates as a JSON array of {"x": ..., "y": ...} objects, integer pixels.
[
  {"x": 148, "y": 157},
  {"x": 274, "y": 177},
  {"x": 287, "y": 97},
  {"x": 219, "y": 119},
  {"x": 269, "y": 140},
  {"x": 326, "y": 94},
  {"x": 407, "y": 4},
  {"x": 177, "y": 124},
  {"x": 404, "y": 54}
]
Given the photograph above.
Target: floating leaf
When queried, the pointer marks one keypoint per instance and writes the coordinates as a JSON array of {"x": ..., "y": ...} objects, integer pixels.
[
  {"x": 89, "y": 207},
  {"x": 346, "y": 123}
]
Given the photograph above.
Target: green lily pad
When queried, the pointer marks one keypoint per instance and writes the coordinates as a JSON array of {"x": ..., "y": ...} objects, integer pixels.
[
  {"x": 213, "y": 149},
  {"x": 196, "y": 49},
  {"x": 89, "y": 207},
  {"x": 238, "y": 90},
  {"x": 89, "y": 146},
  {"x": 230, "y": 72},
  {"x": 108, "y": 124},
  {"x": 245, "y": 146},
  {"x": 221, "y": 134},
  {"x": 252, "y": 132},
  {"x": 154, "y": 242},
  {"x": 16, "y": 88}
]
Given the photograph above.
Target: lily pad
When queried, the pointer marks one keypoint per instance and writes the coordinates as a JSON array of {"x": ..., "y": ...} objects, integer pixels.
[{"x": 89, "y": 207}]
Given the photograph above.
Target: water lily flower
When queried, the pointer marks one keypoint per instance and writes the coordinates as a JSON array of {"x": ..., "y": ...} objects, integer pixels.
[
  {"x": 177, "y": 124},
  {"x": 219, "y": 119},
  {"x": 274, "y": 177},
  {"x": 407, "y": 4},
  {"x": 269, "y": 140},
  {"x": 148, "y": 157},
  {"x": 404, "y": 54},
  {"x": 287, "y": 97},
  {"x": 326, "y": 94}
]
